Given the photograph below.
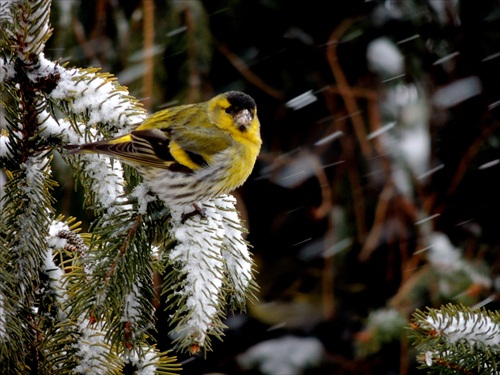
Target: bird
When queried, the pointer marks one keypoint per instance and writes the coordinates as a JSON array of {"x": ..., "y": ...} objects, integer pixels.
[{"x": 190, "y": 153}]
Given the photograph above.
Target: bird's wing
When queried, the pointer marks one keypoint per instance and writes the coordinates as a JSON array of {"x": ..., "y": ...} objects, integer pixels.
[
  {"x": 180, "y": 139},
  {"x": 148, "y": 147}
]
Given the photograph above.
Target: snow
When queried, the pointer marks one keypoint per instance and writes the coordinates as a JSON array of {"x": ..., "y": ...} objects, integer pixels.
[
  {"x": 329, "y": 138},
  {"x": 4, "y": 140},
  {"x": 428, "y": 358},
  {"x": 54, "y": 241},
  {"x": 36, "y": 169},
  {"x": 301, "y": 101},
  {"x": 54, "y": 272},
  {"x": 98, "y": 97},
  {"x": 92, "y": 349},
  {"x": 384, "y": 57},
  {"x": 65, "y": 12},
  {"x": 295, "y": 171},
  {"x": 142, "y": 193},
  {"x": 6, "y": 70},
  {"x": 107, "y": 180},
  {"x": 3, "y": 319},
  {"x": 132, "y": 308},
  {"x": 5, "y": 9},
  {"x": 199, "y": 256},
  {"x": 489, "y": 164},
  {"x": 446, "y": 58},
  {"x": 146, "y": 364},
  {"x": 472, "y": 328},
  {"x": 386, "y": 320},
  {"x": 447, "y": 258},
  {"x": 207, "y": 250},
  {"x": 381, "y": 130},
  {"x": 444, "y": 9},
  {"x": 427, "y": 173},
  {"x": 457, "y": 92},
  {"x": 101, "y": 102},
  {"x": 289, "y": 355},
  {"x": 406, "y": 136},
  {"x": 235, "y": 252}
]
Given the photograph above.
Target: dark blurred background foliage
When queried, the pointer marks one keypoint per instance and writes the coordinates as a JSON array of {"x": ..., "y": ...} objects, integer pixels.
[{"x": 339, "y": 217}]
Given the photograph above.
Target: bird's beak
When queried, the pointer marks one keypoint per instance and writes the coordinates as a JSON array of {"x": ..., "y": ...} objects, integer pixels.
[{"x": 243, "y": 117}]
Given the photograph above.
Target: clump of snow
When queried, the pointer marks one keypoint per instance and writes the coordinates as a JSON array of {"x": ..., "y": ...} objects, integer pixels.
[
  {"x": 6, "y": 70},
  {"x": 54, "y": 241},
  {"x": 288, "y": 355},
  {"x": 445, "y": 257},
  {"x": 107, "y": 180},
  {"x": 54, "y": 272},
  {"x": 405, "y": 134},
  {"x": 36, "y": 169},
  {"x": 385, "y": 58},
  {"x": 142, "y": 193},
  {"x": 146, "y": 363},
  {"x": 4, "y": 149},
  {"x": 387, "y": 320},
  {"x": 92, "y": 350},
  {"x": 132, "y": 308}
]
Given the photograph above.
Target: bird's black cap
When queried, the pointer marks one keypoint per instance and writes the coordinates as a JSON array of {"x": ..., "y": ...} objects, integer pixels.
[{"x": 240, "y": 100}]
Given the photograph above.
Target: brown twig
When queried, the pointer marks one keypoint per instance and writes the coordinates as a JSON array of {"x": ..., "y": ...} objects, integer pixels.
[
  {"x": 345, "y": 90},
  {"x": 328, "y": 295},
  {"x": 80, "y": 36},
  {"x": 149, "y": 36},
  {"x": 324, "y": 184},
  {"x": 251, "y": 77},
  {"x": 465, "y": 161},
  {"x": 355, "y": 181},
  {"x": 195, "y": 78},
  {"x": 380, "y": 214}
]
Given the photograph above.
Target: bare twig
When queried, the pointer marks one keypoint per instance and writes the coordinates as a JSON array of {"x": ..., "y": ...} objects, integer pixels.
[
  {"x": 149, "y": 36},
  {"x": 251, "y": 77}
]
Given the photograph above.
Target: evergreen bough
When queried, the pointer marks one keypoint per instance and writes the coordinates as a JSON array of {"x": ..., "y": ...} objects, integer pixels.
[
  {"x": 456, "y": 339},
  {"x": 83, "y": 303}
]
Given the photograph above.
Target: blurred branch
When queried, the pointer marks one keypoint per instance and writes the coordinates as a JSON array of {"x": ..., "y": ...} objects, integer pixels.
[
  {"x": 149, "y": 35},
  {"x": 345, "y": 90},
  {"x": 465, "y": 161},
  {"x": 379, "y": 221},
  {"x": 251, "y": 77},
  {"x": 80, "y": 36},
  {"x": 358, "y": 199},
  {"x": 98, "y": 33},
  {"x": 194, "y": 79}
]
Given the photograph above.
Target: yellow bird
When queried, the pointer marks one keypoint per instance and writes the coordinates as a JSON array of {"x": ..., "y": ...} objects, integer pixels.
[{"x": 191, "y": 153}]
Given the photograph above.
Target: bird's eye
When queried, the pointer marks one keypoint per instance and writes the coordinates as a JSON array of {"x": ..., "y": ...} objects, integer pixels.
[{"x": 232, "y": 109}]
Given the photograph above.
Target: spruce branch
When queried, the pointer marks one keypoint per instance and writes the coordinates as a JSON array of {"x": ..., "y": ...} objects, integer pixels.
[
  {"x": 45, "y": 323},
  {"x": 208, "y": 264},
  {"x": 458, "y": 340},
  {"x": 80, "y": 304}
]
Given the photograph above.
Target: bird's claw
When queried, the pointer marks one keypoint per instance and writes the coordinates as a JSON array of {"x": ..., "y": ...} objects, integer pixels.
[{"x": 197, "y": 211}]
